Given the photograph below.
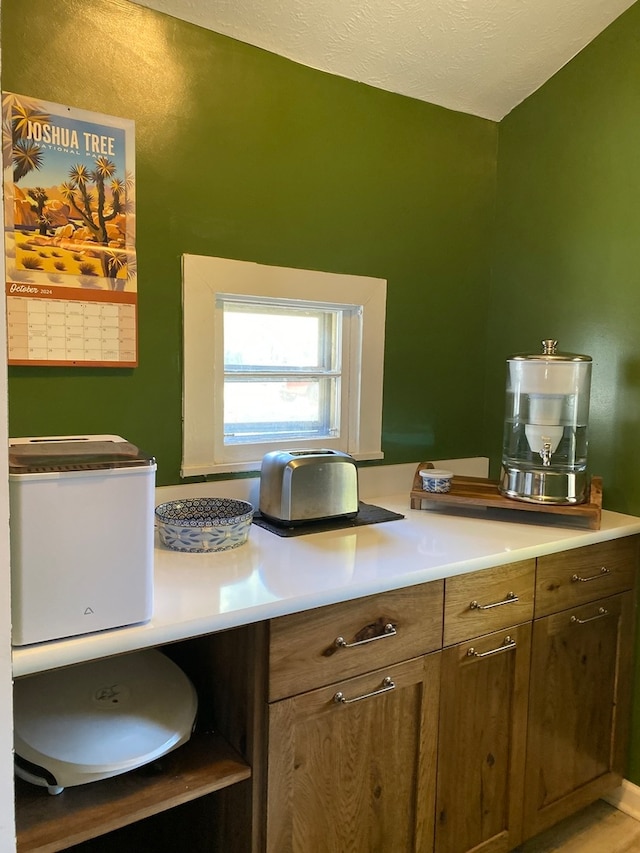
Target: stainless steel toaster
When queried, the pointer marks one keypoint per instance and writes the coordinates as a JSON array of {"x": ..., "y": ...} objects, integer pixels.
[{"x": 307, "y": 485}]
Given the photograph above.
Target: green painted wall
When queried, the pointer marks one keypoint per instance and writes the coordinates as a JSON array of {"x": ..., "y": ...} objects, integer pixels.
[
  {"x": 567, "y": 260},
  {"x": 243, "y": 154}
]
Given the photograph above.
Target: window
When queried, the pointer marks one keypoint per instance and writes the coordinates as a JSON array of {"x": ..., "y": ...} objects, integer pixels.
[
  {"x": 277, "y": 357},
  {"x": 282, "y": 370}
]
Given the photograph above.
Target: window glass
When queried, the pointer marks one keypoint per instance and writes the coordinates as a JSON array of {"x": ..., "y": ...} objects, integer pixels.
[
  {"x": 271, "y": 336},
  {"x": 282, "y": 370}
]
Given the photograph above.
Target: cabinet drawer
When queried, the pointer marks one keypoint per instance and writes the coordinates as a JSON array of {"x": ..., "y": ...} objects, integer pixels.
[
  {"x": 321, "y": 646},
  {"x": 488, "y": 600},
  {"x": 580, "y": 575}
]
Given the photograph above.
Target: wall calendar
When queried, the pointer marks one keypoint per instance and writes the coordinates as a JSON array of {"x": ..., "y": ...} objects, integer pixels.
[{"x": 71, "y": 288}]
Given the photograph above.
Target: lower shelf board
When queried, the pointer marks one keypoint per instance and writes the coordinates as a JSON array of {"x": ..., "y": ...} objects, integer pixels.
[{"x": 46, "y": 823}]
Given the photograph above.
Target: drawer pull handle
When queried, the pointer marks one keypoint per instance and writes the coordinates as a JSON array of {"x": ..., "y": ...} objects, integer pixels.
[
  {"x": 602, "y": 612},
  {"x": 389, "y": 630},
  {"x": 510, "y": 598},
  {"x": 507, "y": 643},
  {"x": 387, "y": 685},
  {"x": 603, "y": 571}
]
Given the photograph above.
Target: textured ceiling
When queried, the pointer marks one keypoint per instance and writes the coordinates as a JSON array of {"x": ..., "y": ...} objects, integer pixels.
[{"x": 476, "y": 56}]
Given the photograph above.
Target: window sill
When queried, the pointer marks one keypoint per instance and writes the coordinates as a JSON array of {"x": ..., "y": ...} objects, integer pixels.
[{"x": 254, "y": 466}]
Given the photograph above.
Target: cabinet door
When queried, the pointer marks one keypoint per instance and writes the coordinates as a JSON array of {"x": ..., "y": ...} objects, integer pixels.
[
  {"x": 352, "y": 766},
  {"x": 578, "y": 708},
  {"x": 481, "y": 747}
]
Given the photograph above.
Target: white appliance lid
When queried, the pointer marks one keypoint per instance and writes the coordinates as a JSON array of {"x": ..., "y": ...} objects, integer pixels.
[
  {"x": 103, "y": 716},
  {"x": 74, "y": 453}
]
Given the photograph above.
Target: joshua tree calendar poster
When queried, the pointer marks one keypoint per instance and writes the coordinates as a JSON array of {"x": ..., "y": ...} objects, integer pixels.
[{"x": 69, "y": 194}]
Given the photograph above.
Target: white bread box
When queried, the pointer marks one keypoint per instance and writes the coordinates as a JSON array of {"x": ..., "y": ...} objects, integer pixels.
[{"x": 82, "y": 527}]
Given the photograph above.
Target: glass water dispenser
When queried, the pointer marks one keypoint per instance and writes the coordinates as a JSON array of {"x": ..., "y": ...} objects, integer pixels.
[{"x": 544, "y": 450}]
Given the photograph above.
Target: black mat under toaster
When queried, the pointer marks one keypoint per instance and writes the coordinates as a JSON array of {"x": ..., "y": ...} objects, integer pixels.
[{"x": 367, "y": 514}]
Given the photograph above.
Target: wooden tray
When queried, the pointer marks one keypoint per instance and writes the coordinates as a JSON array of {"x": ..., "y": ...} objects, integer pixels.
[{"x": 481, "y": 492}]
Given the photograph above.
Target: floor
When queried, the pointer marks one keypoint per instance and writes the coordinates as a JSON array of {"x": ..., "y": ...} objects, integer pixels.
[{"x": 600, "y": 828}]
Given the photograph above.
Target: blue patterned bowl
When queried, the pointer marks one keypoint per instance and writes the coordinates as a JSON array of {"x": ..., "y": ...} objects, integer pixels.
[
  {"x": 435, "y": 480},
  {"x": 204, "y": 524}
]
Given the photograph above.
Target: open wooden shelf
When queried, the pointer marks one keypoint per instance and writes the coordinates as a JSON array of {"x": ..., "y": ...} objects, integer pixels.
[
  {"x": 45, "y": 823},
  {"x": 483, "y": 493}
]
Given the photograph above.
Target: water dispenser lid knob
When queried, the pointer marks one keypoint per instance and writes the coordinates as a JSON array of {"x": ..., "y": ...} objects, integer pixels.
[{"x": 550, "y": 355}]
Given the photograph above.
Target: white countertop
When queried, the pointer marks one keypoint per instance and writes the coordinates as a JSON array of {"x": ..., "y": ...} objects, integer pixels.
[{"x": 270, "y": 576}]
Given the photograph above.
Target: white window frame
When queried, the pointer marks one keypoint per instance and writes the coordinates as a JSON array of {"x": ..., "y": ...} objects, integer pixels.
[{"x": 204, "y": 279}]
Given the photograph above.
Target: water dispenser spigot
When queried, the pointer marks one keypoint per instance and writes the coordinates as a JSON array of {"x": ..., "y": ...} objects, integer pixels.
[{"x": 546, "y": 453}]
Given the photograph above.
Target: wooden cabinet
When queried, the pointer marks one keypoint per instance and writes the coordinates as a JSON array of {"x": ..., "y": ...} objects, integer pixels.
[
  {"x": 534, "y": 717},
  {"x": 483, "y": 710},
  {"x": 481, "y": 748},
  {"x": 581, "y": 672},
  {"x": 351, "y": 765},
  {"x": 457, "y": 717},
  {"x": 146, "y": 808},
  {"x": 579, "y": 705}
]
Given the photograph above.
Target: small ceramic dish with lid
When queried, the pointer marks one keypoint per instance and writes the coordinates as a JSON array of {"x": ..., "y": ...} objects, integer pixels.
[
  {"x": 197, "y": 525},
  {"x": 436, "y": 480}
]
